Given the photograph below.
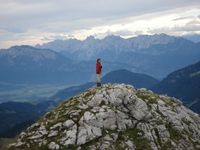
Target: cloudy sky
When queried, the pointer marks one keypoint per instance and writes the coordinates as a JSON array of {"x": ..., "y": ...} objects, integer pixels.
[{"x": 38, "y": 21}]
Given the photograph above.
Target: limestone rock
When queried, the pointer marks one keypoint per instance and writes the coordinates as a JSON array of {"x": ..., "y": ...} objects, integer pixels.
[
  {"x": 115, "y": 116},
  {"x": 53, "y": 146},
  {"x": 69, "y": 137},
  {"x": 68, "y": 123},
  {"x": 53, "y": 133}
]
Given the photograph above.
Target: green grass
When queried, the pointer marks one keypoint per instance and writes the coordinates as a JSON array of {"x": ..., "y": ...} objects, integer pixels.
[
  {"x": 174, "y": 134},
  {"x": 118, "y": 143},
  {"x": 167, "y": 146},
  {"x": 150, "y": 98},
  {"x": 90, "y": 143},
  {"x": 89, "y": 93},
  {"x": 140, "y": 142},
  {"x": 187, "y": 122},
  {"x": 158, "y": 136}
]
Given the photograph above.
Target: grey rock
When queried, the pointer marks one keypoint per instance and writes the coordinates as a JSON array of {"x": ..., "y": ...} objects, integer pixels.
[
  {"x": 139, "y": 109},
  {"x": 130, "y": 145},
  {"x": 58, "y": 125},
  {"x": 69, "y": 137},
  {"x": 88, "y": 133},
  {"x": 68, "y": 123},
  {"x": 163, "y": 133},
  {"x": 53, "y": 146},
  {"x": 82, "y": 136},
  {"x": 103, "y": 118},
  {"x": 83, "y": 106},
  {"x": 53, "y": 133}
]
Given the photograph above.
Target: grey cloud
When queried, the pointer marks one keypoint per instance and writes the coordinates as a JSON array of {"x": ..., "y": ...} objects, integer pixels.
[
  {"x": 183, "y": 18},
  {"x": 158, "y": 30},
  {"x": 72, "y": 10},
  {"x": 12, "y": 29},
  {"x": 139, "y": 32},
  {"x": 187, "y": 29},
  {"x": 66, "y": 16},
  {"x": 194, "y": 22},
  {"x": 124, "y": 33},
  {"x": 119, "y": 33},
  {"x": 55, "y": 37},
  {"x": 46, "y": 39}
]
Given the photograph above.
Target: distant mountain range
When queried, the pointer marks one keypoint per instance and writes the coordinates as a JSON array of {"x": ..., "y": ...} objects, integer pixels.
[
  {"x": 149, "y": 54},
  {"x": 74, "y": 62},
  {"x": 91, "y": 45},
  {"x": 183, "y": 84}
]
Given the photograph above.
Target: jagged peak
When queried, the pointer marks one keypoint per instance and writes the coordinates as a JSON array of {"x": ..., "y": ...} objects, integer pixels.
[
  {"x": 113, "y": 37},
  {"x": 115, "y": 116},
  {"x": 90, "y": 38}
]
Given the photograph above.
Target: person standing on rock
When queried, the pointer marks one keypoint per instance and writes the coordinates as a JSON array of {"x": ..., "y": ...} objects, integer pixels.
[{"x": 98, "y": 72}]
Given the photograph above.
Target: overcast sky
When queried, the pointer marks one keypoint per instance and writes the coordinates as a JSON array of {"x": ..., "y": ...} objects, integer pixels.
[{"x": 38, "y": 21}]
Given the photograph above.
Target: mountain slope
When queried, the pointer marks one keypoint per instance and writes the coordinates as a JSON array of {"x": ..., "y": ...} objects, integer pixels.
[
  {"x": 183, "y": 84},
  {"x": 195, "y": 106},
  {"x": 71, "y": 91},
  {"x": 16, "y": 116},
  {"x": 113, "y": 117},
  {"x": 29, "y": 65},
  {"x": 192, "y": 37},
  {"x": 124, "y": 76},
  {"x": 13, "y": 113},
  {"x": 117, "y": 76}
]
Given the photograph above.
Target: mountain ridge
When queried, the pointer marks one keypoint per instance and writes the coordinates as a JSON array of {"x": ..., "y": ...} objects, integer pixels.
[
  {"x": 183, "y": 84},
  {"x": 29, "y": 65},
  {"x": 149, "y": 54},
  {"x": 134, "y": 43},
  {"x": 139, "y": 80}
]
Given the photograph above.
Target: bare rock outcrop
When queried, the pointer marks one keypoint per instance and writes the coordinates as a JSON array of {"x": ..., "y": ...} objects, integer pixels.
[{"x": 115, "y": 116}]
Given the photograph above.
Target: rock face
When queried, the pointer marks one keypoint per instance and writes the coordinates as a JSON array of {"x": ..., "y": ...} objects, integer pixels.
[{"x": 115, "y": 116}]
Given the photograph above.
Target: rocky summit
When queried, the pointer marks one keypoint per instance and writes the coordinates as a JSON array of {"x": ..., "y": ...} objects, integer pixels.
[{"x": 114, "y": 117}]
